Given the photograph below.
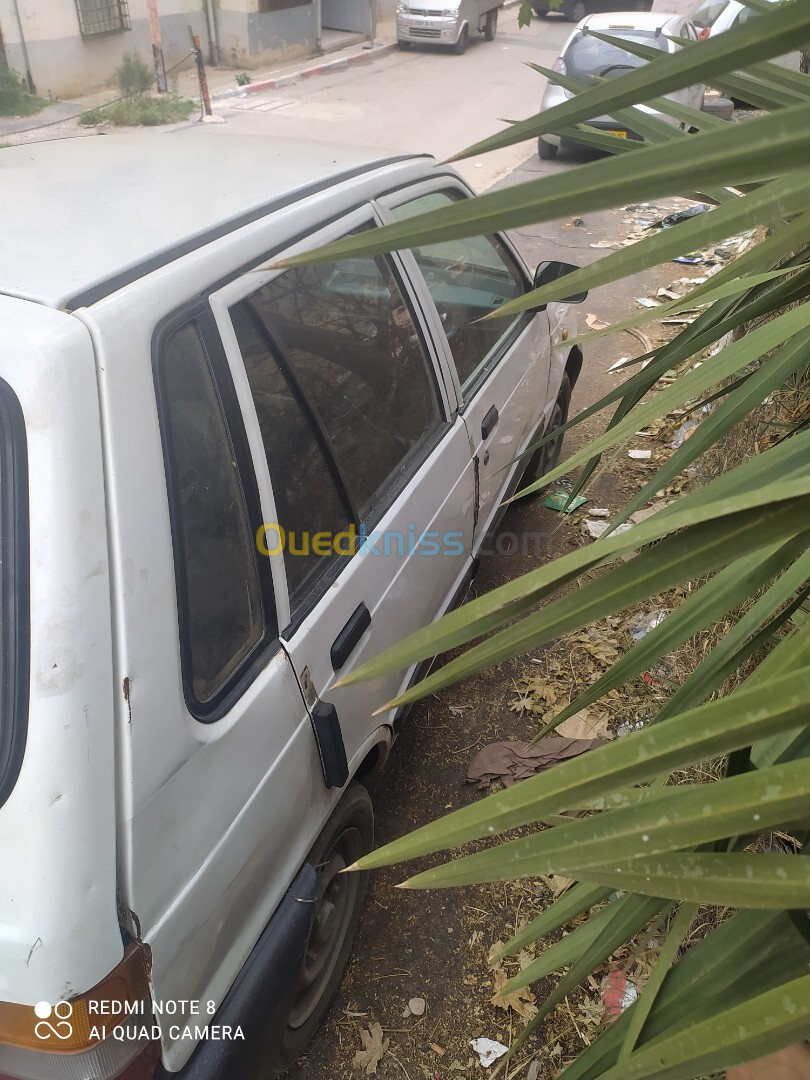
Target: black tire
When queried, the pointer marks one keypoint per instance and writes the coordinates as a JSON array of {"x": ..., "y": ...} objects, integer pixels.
[
  {"x": 547, "y": 150},
  {"x": 547, "y": 456},
  {"x": 347, "y": 835},
  {"x": 575, "y": 10},
  {"x": 541, "y": 12},
  {"x": 460, "y": 46},
  {"x": 404, "y": 44},
  {"x": 492, "y": 25}
]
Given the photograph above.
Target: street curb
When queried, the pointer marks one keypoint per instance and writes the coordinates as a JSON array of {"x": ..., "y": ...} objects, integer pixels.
[{"x": 288, "y": 78}]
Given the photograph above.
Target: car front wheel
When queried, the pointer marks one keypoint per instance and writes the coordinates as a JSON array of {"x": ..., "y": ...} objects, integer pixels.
[
  {"x": 347, "y": 836},
  {"x": 460, "y": 46},
  {"x": 547, "y": 150}
]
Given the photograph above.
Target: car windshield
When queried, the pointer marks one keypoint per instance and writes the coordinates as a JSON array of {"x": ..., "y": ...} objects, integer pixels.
[{"x": 588, "y": 58}]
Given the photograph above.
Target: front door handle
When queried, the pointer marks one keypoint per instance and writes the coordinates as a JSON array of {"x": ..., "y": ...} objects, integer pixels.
[
  {"x": 489, "y": 422},
  {"x": 343, "y": 645}
]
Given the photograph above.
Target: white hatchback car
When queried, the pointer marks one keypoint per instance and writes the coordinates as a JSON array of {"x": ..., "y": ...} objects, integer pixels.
[
  {"x": 586, "y": 58},
  {"x": 220, "y": 485}
]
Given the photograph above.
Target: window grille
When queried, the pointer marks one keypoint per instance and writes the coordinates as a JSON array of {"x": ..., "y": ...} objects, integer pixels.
[{"x": 102, "y": 16}]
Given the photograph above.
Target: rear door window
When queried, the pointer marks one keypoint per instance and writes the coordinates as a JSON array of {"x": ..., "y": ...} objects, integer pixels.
[{"x": 347, "y": 402}]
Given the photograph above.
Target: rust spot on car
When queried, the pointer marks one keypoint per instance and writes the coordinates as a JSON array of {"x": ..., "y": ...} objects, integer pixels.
[{"x": 127, "y": 694}]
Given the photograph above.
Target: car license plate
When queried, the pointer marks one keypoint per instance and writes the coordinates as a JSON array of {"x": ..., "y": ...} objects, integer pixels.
[
  {"x": 621, "y": 134},
  {"x": 428, "y": 25}
]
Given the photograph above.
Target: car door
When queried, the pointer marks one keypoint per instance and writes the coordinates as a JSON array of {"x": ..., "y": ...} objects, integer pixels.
[
  {"x": 501, "y": 365},
  {"x": 369, "y": 469},
  {"x": 216, "y": 751}
]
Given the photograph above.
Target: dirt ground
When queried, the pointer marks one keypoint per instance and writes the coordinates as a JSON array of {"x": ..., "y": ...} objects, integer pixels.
[{"x": 434, "y": 945}]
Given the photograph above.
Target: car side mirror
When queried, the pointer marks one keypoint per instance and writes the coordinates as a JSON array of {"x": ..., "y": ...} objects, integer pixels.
[{"x": 547, "y": 272}]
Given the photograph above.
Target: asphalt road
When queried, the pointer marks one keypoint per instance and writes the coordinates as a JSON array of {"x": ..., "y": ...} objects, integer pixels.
[{"x": 422, "y": 100}]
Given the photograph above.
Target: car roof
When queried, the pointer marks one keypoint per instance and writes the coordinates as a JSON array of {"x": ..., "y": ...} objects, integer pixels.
[
  {"x": 635, "y": 20},
  {"x": 77, "y": 212}
]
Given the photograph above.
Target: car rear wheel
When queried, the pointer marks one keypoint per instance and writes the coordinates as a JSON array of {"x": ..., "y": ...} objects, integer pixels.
[
  {"x": 492, "y": 25},
  {"x": 347, "y": 836},
  {"x": 460, "y": 46},
  {"x": 574, "y": 10},
  {"x": 547, "y": 150},
  {"x": 541, "y": 12},
  {"x": 547, "y": 456}
]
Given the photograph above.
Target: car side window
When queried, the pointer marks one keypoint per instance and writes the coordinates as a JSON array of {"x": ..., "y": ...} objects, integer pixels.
[
  {"x": 219, "y": 593},
  {"x": 307, "y": 497},
  {"x": 467, "y": 279},
  {"x": 346, "y": 396}
]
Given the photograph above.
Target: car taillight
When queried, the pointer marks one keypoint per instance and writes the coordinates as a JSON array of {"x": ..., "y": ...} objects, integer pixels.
[
  {"x": 704, "y": 33},
  {"x": 104, "y": 1033},
  {"x": 560, "y": 66}
]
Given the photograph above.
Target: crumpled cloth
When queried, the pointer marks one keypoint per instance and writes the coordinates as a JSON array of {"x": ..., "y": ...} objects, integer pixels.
[{"x": 510, "y": 760}]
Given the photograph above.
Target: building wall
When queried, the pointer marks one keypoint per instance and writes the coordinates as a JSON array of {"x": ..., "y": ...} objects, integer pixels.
[{"x": 63, "y": 63}]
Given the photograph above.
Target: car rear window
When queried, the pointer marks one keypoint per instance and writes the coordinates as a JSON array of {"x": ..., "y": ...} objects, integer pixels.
[
  {"x": 587, "y": 58},
  {"x": 14, "y": 621}
]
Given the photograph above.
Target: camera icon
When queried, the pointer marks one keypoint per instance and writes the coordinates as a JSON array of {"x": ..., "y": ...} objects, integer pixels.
[{"x": 54, "y": 1020}]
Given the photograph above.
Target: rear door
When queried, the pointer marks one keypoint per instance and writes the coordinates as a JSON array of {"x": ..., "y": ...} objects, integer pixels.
[
  {"x": 368, "y": 463},
  {"x": 501, "y": 366}
]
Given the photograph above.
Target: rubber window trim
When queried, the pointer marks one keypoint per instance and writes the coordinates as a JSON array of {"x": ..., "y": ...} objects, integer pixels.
[{"x": 15, "y": 647}]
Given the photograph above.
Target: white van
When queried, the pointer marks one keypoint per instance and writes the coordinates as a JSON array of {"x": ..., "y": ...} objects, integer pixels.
[
  {"x": 451, "y": 24},
  {"x": 219, "y": 486}
]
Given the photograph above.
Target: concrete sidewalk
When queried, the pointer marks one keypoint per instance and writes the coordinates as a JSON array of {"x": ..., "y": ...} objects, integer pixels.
[{"x": 222, "y": 83}]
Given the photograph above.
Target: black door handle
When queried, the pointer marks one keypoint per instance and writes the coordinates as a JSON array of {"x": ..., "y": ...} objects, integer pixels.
[
  {"x": 344, "y": 643},
  {"x": 489, "y": 422}
]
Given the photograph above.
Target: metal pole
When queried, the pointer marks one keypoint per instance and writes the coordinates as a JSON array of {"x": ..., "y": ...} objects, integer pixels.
[
  {"x": 198, "y": 56},
  {"x": 157, "y": 47},
  {"x": 29, "y": 78},
  {"x": 372, "y": 24},
  {"x": 213, "y": 39}
]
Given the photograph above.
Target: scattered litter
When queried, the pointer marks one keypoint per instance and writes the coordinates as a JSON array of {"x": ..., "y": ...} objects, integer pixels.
[
  {"x": 648, "y": 511},
  {"x": 691, "y": 260},
  {"x": 647, "y": 623},
  {"x": 534, "y": 1071},
  {"x": 565, "y": 482},
  {"x": 458, "y": 710},
  {"x": 645, "y": 223},
  {"x": 686, "y": 321},
  {"x": 374, "y": 1046},
  {"x": 440, "y": 1050},
  {"x": 558, "y": 500},
  {"x": 668, "y": 294},
  {"x": 681, "y": 215},
  {"x": 619, "y": 363},
  {"x": 646, "y": 302},
  {"x": 684, "y": 432},
  {"x": 577, "y": 222},
  {"x": 639, "y": 455},
  {"x": 595, "y": 529},
  {"x": 488, "y": 1050},
  {"x": 593, "y": 322},
  {"x": 583, "y": 725},
  {"x": 617, "y": 994},
  {"x": 599, "y": 512},
  {"x": 628, "y": 728},
  {"x": 417, "y": 1006},
  {"x": 557, "y": 884},
  {"x": 510, "y": 760},
  {"x": 604, "y": 244}
]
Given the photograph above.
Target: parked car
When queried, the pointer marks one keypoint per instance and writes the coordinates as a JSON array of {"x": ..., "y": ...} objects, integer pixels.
[
  {"x": 706, "y": 15},
  {"x": 451, "y": 24},
  {"x": 222, "y": 485},
  {"x": 588, "y": 59},
  {"x": 734, "y": 14},
  {"x": 576, "y": 10}
]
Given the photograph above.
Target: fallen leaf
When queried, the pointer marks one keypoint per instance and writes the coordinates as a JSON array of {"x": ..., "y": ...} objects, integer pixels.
[
  {"x": 522, "y": 1001},
  {"x": 374, "y": 1046},
  {"x": 583, "y": 726}
]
